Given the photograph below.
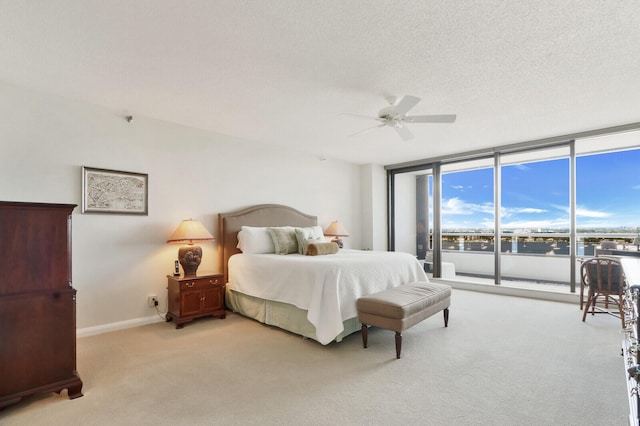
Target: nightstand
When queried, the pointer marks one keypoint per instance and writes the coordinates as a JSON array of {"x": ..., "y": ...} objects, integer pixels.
[{"x": 194, "y": 297}]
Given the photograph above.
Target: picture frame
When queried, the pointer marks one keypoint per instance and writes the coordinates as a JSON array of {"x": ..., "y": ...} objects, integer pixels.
[{"x": 114, "y": 192}]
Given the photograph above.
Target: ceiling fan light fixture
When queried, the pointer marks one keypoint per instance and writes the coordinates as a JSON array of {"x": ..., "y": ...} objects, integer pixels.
[{"x": 395, "y": 116}]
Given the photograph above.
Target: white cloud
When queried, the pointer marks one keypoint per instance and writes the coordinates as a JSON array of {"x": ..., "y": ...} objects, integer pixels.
[
  {"x": 509, "y": 216},
  {"x": 509, "y": 211},
  {"x": 582, "y": 211},
  {"x": 585, "y": 212},
  {"x": 456, "y": 206},
  {"x": 591, "y": 213}
]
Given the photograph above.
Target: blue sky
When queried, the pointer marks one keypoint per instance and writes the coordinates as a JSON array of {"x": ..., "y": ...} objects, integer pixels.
[{"x": 536, "y": 195}]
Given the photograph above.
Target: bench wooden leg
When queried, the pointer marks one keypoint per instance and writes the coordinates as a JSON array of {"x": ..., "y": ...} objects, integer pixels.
[
  {"x": 398, "y": 344},
  {"x": 446, "y": 317},
  {"x": 364, "y": 335}
]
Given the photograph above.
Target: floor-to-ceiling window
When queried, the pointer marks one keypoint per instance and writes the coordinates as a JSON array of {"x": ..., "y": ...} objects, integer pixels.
[
  {"x": 608, "y": 193},
  {"x": 535, "y": 215},
  {"x": 555, "y": 202},
  {"x": 467, "y": 212}
]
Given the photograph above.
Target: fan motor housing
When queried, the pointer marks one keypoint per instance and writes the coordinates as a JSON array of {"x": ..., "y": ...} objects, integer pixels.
[{"x": 387, "y": 113}]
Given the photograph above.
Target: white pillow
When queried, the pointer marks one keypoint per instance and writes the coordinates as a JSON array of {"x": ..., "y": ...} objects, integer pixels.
[
  {"x": 256, "y": 240},
  {"x": 240, "y": 240},
  {"x": 309, "y": 235}
]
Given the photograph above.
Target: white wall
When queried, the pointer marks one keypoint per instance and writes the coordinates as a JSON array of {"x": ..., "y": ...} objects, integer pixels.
[
  {"x": 374, "y": 207},
  {"x": 118, "y": 260},
  {"x": 405, "y": 214}
]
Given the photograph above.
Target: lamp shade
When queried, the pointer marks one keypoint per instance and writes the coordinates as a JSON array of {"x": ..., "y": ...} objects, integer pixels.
[
  {"x": 190, "y": 231},
  {"x": 335, "y": 229}
]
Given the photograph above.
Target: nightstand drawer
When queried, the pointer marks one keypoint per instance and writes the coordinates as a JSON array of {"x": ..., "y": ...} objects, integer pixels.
[{"x": 200, "y": 283}]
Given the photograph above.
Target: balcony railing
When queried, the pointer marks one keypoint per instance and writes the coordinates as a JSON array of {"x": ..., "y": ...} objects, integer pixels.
[
  {"x": 555, "y": 243},
  {"x": 538, "y": 257}
]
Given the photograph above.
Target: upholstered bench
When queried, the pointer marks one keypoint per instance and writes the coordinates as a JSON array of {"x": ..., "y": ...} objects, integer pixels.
[{"x": 399, "y": 308}]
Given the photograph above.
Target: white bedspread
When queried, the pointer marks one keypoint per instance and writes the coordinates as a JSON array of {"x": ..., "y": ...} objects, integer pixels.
[{"x": 326, "y": 286}]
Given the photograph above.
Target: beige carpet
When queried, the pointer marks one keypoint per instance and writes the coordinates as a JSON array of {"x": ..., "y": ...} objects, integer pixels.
[{"x": 501, "y": 361}]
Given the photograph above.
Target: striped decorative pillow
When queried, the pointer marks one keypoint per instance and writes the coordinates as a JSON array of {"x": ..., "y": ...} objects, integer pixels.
[{"x": 284, "y": 239}]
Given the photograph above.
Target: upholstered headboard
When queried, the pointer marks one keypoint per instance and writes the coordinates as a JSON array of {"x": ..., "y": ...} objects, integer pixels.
[{"x": 229, "y": 225}]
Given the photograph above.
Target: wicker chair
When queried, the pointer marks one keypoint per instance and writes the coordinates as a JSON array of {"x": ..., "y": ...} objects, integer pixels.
[{"x": 604, "y": 278}]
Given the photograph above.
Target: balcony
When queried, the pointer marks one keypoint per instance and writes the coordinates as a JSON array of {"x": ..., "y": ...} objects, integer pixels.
[{"x": 533, "y": 264}]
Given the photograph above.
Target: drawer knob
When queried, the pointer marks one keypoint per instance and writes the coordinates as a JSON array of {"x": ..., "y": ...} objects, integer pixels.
[{"x": 191, "y": 284}]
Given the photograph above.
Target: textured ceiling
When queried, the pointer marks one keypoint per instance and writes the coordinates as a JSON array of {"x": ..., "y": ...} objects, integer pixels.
[{"x": 281, "y": 72}]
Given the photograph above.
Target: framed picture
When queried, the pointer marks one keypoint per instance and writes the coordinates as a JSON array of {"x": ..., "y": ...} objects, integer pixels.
[{"x": 114, "y": 192}]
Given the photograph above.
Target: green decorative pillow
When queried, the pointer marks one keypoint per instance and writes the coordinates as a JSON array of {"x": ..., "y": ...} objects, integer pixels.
[
  {"x": 306, "y": 236},
  {"x": 318, "y": 249},
  {"x": 284, "y": 239}
]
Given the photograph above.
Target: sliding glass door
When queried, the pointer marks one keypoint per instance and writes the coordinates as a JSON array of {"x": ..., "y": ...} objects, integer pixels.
[{"x": 413, "y": 217}]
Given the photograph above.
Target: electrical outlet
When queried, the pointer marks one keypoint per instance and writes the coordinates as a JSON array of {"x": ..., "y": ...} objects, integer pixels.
[{"x": 152, "y": 301}]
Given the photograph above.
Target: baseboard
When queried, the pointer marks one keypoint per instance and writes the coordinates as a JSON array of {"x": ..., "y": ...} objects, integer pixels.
[
  {"x": 115, "y": 326},
  {"x": 513, "y": 291}
]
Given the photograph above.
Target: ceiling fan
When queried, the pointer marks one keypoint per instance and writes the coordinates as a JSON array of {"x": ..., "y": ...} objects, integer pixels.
[{"x": 395, "y": 115}]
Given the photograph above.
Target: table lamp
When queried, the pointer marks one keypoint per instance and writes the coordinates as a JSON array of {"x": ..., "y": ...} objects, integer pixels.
[
  {"x": 190, "y": 255},
  {"x": 336, "y": 230}
]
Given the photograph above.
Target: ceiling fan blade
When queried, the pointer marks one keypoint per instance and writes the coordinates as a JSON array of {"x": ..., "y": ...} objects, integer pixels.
[
  {"x": 363, "y": 117},
  {"x": 404, "y": 133},
  {"x": 359, "y": 132},
  {"x": 443, "y": 118},
  {"x": 404, "y": 104}
]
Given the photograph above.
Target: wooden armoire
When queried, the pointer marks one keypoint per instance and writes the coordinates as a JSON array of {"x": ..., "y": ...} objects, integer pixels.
[{"x": 37, "y": 302}]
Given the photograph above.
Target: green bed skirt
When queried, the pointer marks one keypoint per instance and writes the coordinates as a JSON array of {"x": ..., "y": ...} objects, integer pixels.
[{"x": 281, "y": 315}]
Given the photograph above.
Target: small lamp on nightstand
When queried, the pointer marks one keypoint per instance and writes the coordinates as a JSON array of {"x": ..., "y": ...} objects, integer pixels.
[
  {"x": 336, "y": 230},
  {"x": 190, "y": 255}
]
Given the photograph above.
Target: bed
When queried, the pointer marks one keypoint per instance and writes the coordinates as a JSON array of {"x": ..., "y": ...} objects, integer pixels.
[{"x": 320, "y": 301}]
